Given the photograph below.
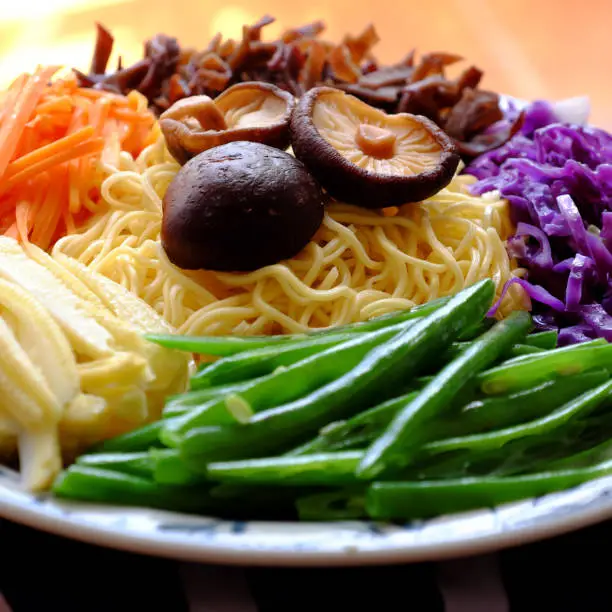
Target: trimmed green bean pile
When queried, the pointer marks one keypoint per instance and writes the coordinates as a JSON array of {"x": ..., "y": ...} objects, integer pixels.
[{"x": 410, "y": 415}]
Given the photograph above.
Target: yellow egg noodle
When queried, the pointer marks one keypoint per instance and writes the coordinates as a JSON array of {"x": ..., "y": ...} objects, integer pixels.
[
  {"x": 74, "y": 367},
  {"x": 360, "y": 264}
]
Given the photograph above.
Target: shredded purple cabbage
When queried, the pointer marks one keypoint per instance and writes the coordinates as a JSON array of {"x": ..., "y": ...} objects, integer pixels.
[{"x": 557, "y": 178}]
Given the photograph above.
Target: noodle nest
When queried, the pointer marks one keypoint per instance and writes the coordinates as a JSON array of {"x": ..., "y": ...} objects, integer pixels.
[{"x": 360, "y": 264}]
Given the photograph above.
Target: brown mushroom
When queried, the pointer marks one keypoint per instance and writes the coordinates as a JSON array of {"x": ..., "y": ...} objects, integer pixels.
[
  {"x": 363, "y": 156},
  {"x": 256, "y": 112},
  {"x": 239, "y": 207}
]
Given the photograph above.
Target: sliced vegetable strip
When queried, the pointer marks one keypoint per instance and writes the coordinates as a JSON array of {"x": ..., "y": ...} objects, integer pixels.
[
  {"x": 17, "y": 110},
  {"x": 55, "y": 139}
]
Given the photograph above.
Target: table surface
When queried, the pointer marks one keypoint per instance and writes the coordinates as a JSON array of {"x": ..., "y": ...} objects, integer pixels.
[
  {"x": 42, "y": 572},
  {"x": 528, "y": 48}
]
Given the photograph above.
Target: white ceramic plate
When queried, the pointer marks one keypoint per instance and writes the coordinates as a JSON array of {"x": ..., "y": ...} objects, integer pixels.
[{"x": 207, "y": 539}]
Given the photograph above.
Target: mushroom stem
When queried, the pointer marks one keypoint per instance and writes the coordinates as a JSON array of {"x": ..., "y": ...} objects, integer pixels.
[{"x": 375, "y": 141}]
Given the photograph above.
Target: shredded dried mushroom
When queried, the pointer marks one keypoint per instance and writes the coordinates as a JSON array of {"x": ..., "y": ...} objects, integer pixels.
[{"x": 298, "y": 61}]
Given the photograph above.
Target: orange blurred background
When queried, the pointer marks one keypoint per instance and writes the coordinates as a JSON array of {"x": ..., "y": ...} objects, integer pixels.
[{"x": 528, "y": 48}]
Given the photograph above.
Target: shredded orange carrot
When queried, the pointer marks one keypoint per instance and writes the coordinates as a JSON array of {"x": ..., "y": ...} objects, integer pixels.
[
  {"x": 43, "y": 232},
  {"x": 48, "y": 151},
  {"x": 26, "y": 102},
  {"x": 95, "y": 145},
  {"x": 59, "y": 104},
  {"x": 56, "y": 141}
]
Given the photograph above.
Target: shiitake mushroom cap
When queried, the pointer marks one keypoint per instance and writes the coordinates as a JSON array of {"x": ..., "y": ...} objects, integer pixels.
[
  {"x": 408, "y": 159},
  {"x": 239, "y": 207},
  {"x": 259, "y": 112},
  {"x": 254, "y": 111}
]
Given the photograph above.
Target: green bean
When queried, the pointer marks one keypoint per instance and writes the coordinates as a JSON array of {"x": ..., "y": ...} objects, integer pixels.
[
  {"x": 191, "y": 400},
  {"x": 424, "y": 499},
  {"x": 584, "y": 346},
  {"x": 360, "y": 429},
  {"x": 230, "y": 345},
  {"x": 524, "y": 454},
  {"x": 318, "y": 469},
  {"x": 340, "y": 505},
  {"x": 213, "y": 412},
  {"x": 252, "y": 364},
  {"x": 338, "y": 468},
  {"x": 480, "y": 415},
  {"x": 170, "y": 469},
  {"x": 218, "y": 412},
  {"x": 373, "y": 378},
  {"x": 135, "y": 463},
  {"x": 399, "y": 443},
  {"x": 491, "y": 413},
  {"x": 286, "y": 384},
  {"x": 526, "y": 371},
  {"x": 546, "y": 339},
  {"x": 140, "y": 439},
  {"x": 579, "y": 407},
  {"x": 160, "y": 464},
  {"x": 518, "y": 350},
  {"x": 585, "y": 458},
  {"x": 105, "y": 486},
  {"x": 86, "y": 483}
]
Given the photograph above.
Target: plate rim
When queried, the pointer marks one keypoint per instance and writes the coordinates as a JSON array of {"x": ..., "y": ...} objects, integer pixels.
[{"x": 55, "y": 517}]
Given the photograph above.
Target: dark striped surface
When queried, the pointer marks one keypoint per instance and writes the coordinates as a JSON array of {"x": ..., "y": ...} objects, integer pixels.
[{"x": 39, "y": 572}]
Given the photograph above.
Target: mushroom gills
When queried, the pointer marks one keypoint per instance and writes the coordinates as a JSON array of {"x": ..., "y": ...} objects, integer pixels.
[
  {"x": 243, "y": 110},
  {"x": 363, "y": 156}
]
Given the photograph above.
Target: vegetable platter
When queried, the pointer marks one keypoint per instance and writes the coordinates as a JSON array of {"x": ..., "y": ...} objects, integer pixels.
[{"x": 272, "y": 302}]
